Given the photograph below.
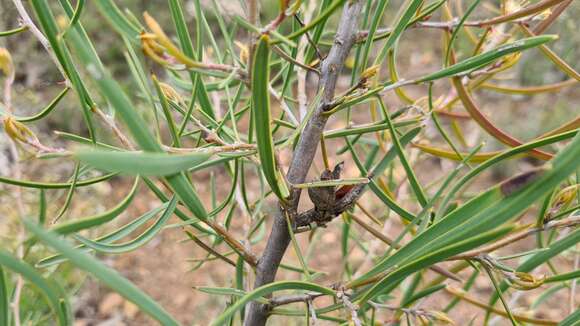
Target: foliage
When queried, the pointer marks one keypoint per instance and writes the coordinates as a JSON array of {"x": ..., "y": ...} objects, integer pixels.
[{"x": 163, "y": 128}]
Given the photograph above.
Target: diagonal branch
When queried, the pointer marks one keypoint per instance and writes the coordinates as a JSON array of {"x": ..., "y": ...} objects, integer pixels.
[{"x": 279, "y": 239}]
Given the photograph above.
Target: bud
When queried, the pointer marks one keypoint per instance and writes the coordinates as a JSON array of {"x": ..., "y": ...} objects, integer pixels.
[
  {"x": 6, "y": 65},
  {"x": 162, "y": 45},
  {"x": 152, "y": 49},
  {"x": 62, "y": 21},
  {"x": 439, "y": 317},
  {"x": 370, "y": 72},
  {"x": 244, "y": 52},
  {"x": 562, "y": 200},
  {"x": 18, "y": 131},
  {"x": 524, "y": 281},
  {"x": 154, "y": 26},
  {"x": 170, "y": 93}
]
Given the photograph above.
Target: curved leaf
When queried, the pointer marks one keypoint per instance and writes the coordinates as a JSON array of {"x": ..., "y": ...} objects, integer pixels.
[
  {"x": 105, "y": 274},
  {"x": 91, "y": 221},
  {"x": 140, "y": 163},
  {"x": 484, "y": 59},
  {"x": 115, "y": 235},
  {"x": 267, "y": 289},
  {"x": 51, "y": 291},
  {"x": 139, "y": 241},
  {"x": 261, "y": 117}
]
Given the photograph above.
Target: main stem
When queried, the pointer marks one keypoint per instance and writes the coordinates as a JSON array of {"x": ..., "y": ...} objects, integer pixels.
[{"x": 257, "y": 314}]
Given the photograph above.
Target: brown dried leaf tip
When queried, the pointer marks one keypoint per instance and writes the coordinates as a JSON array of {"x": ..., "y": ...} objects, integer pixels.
[{"x": 520, "y": 181}]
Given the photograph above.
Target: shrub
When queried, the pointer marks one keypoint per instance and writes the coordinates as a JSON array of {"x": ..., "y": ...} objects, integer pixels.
[{"x": 259, "y": 97}]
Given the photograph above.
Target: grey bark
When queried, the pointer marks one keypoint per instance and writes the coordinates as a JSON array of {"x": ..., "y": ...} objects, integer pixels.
[{"x": 257, "y": 314}]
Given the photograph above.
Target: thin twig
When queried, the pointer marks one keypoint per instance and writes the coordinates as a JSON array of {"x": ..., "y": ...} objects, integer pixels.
[
  {"x": 283, "y": 300},
  {"x": 40, "y": 37}
]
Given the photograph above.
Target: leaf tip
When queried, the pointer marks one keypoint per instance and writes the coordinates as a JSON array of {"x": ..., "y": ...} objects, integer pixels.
[{"x": 520, "y": 181}]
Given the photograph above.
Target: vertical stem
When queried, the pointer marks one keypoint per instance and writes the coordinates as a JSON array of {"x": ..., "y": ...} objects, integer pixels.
[{"x": 279, "y": 239}]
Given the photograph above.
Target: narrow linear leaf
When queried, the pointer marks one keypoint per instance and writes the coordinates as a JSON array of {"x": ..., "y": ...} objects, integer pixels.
[
  {"x": 4, "y": 299},
  {"x": 261, "y": 116},
  {"x": 400, "y": 26},
  {"x": 105, "y": 274},
  {"x": 141, "y": 240},
  {"x": 96, "y": 220},
  {"x": 115, "y": 235},
  {"x": 572, "y": 319},
  {"x": 115, "y": 17},
  {"x": 267, "y": 289},
  {"x": 50, "y": 290},
  {"x": 44, "y": 112},
  {"x": 140, "y": 163},
  {"x": 484, "y": 59},
  {"x": 54, "y": 185},
  {"x": 14, "y": 31}
]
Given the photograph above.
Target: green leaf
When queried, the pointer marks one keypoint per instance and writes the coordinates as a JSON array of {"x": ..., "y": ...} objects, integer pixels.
[
  {"x": 486, "y": 211},
  {"x": 14, "y": 31},
  {"x": 486, "y": 58},
  {"x": 572, "y": 319},
  {"x": 563, "y": 277},
  {"x": 459, "y": 28},
  {"x": 543, "y": 256},
  {"x": 52, "y": 292},
  {"x": 54, "y": 185},
  {"x": 76, "y": 15},
  {"x": 413, "y": 181},
  {"x": 320, "y": 18},
  {"x": 115, "y": 235},
  {"x": 96, "y": 220},
  {"x": 105, "y": 274},
  {"x": 119, "y": 22},
  {"x": 400, "y": 26},
  {"x": 44, "y": 112},
  {"x": 261, "y": 116},
  {"x": 141, "y": 240},
  {"x": 4, "y": 299},
  {"x": 187, "y": 47},
  {"x": 140, "y": 163},
  {"x": 267, "y": 289},
  {"x": 389, "y": 282}
]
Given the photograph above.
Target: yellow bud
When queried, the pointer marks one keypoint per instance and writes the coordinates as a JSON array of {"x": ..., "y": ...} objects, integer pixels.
[
  {"x": 18, "y": 131},
  {"x": 62, "y": 21},
  {"x": 440, "y": 317},
  {"x": 170, "y": 93},
  {"x": 154, "y": 25},
  {"x": 349, "y": 62},
  {"x": 6, "y": 65},
  {"x": 370, "y": 72},
  {"x": 314, "y": 62},
  {"x": 244, "y": 52},
  {"x": 566, "y": 195},
  {"x": 423, "y": 320},
  {"x": 525, "y": 281}
]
